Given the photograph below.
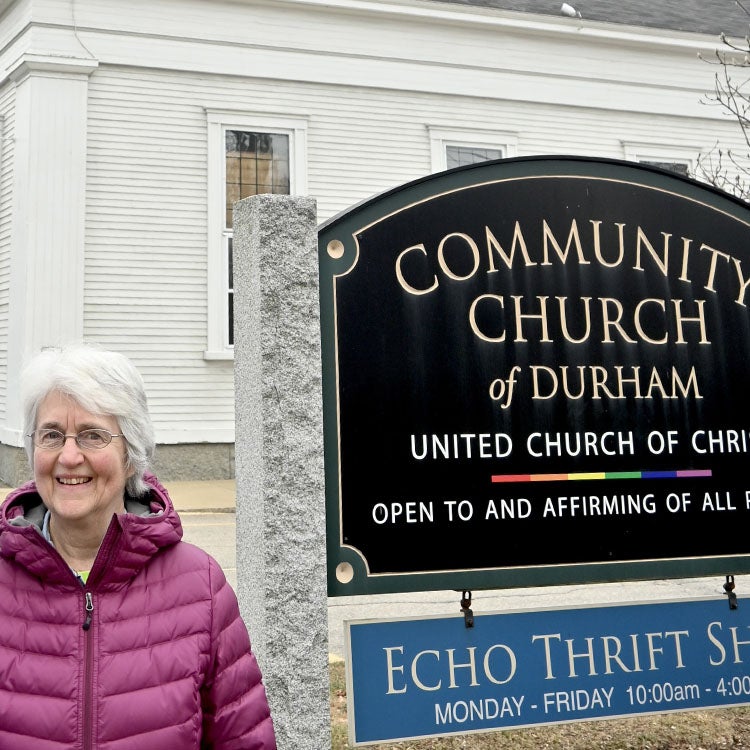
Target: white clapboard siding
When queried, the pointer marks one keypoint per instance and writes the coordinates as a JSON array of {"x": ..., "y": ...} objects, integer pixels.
[
  {"x": 7, "y": 143},
  {"x": 145, "y": 289},
  {"x": 370, "y": 78}
]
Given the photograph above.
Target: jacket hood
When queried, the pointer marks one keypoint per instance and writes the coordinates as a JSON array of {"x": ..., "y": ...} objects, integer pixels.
[{"x": 149, "y": 524}]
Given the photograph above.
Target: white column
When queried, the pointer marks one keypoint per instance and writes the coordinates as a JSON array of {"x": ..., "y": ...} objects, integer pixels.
[{"x": 48, "y": 218}]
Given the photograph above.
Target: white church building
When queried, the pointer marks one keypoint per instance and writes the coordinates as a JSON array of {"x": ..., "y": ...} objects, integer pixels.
[{"x": 127, "y": 131}]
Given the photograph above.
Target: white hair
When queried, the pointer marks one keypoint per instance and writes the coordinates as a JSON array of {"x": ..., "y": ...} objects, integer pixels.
[{"x": 102, "y": 382}]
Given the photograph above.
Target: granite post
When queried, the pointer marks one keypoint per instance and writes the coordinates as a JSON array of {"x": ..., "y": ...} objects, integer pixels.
[{"x": 281, "y": 568}]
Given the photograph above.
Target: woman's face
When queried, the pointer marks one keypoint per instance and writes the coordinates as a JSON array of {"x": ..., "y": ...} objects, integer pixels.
[{"x": 78, "y": 484}]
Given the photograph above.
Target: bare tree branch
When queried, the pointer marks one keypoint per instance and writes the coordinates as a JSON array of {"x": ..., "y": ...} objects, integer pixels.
[{"x": 728, "y": 169}]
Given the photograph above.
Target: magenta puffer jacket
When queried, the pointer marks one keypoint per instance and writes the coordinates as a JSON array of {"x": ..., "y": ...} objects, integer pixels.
[{"x": 151, "y": 654}]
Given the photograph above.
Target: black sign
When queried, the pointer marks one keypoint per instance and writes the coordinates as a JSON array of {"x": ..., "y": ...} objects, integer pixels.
[{"x": 536, "y": 372}]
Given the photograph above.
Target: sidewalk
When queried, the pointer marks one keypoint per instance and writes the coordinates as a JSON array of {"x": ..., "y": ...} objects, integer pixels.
[{"x": 217, "y": 496}]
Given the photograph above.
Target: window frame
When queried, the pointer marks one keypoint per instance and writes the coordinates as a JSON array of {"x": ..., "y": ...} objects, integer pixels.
[
  {"x": 663, "y": 153},
  {"x": 440, "y": 138},
  {"x": 218, "y": 122}
]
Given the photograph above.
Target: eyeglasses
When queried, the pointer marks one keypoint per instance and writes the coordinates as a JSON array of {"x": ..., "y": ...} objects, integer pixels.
[{"x": 91, "y": 439}]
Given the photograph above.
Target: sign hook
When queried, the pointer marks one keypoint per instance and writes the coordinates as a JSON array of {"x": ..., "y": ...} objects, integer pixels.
[
  {"x": 466, "y": 609},
  {"x": 729, "y": 590}
]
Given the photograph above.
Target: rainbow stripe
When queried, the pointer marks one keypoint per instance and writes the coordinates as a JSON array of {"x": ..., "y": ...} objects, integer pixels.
[{"x": 599, "y": 475}]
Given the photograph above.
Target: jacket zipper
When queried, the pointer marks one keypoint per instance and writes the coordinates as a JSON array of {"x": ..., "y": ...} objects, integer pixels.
[
  {"x": 100, "y": 563},
  {"x": 88, "y": 672},
  {"x": 89, "y": 607}
]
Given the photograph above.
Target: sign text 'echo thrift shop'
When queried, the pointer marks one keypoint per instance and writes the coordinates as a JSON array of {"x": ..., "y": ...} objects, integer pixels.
[{"x": 434, "y": 677}]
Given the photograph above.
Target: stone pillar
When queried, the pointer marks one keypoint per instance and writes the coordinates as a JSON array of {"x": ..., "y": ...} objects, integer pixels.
[{"x": 281, "y": 568}]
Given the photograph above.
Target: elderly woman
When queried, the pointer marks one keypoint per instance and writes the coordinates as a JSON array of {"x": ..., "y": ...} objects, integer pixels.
[{"x": 115, "y": 634}]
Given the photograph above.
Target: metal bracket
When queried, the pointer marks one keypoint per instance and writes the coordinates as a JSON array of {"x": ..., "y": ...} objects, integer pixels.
[
  {"x": 466, "y": 609},
  {"x": 729, "y": 591}
]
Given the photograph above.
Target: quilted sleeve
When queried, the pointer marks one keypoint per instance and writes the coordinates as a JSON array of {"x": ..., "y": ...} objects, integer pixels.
[{"x": 235, "y": 709}]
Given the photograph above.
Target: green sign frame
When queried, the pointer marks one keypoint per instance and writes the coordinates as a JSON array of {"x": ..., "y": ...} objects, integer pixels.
[{"x": 534, "y": 374}]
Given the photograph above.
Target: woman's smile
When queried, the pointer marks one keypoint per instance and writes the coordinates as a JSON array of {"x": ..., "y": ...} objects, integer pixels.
[{"x": 73, "y": 480}]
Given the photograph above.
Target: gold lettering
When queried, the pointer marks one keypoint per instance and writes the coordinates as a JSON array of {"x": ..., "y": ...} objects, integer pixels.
[
  {"x": 685, "y": 250},
  {"x": 691, "y": 385},
  {"x": 743, "y": 282},
  {"x": 520, "y": 317},
  {"x": 599, "y": 381},
  {"x": 573, "y": 237},
  {"x": 444, "y": 265},
  {"x": 581, "y": 373},
  {"x": 400, "y": 276},
  {"x": 597, "y": 245},
  {"x": 635, "y": 380},
  {"x": 638, "y": 327},
  {"x": 655, "y": 383},
  {"x": 680, "y": 319},
  {"x": 518, "y": 242},
  {"x": 660, "y": 262},
  {"x": 609, "y": 323},
  {"x": 715, "y": 254},
  {"x": 535, "y": 369},
  {"x": 473, "y": 318},
  {"x": 564, "y": 319}
]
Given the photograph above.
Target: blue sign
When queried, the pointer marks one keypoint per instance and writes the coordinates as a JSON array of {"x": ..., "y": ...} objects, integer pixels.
[{"x": 430, "y": 677}]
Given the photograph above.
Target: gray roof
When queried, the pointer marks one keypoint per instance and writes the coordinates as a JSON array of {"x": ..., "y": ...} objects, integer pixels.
[{"x": 701, "y": 16}]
